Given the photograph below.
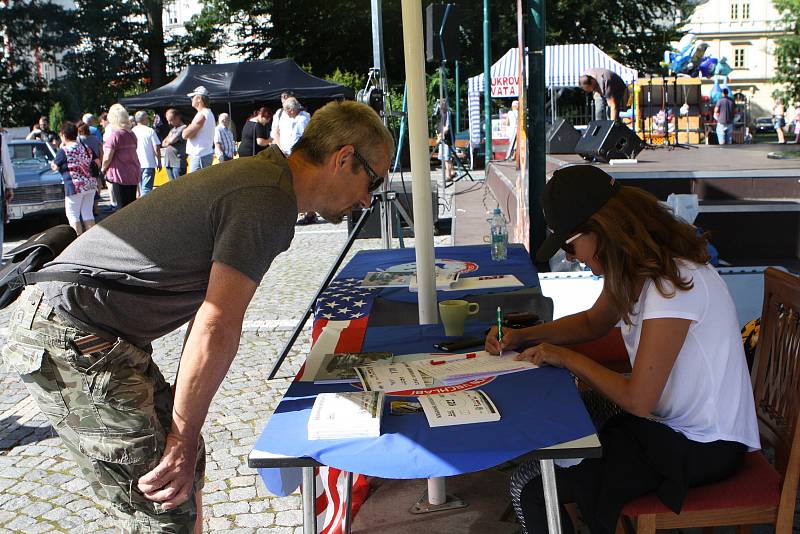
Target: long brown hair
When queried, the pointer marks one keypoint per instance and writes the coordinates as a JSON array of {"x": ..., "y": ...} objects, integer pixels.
[{"x": 637, "y": 239}]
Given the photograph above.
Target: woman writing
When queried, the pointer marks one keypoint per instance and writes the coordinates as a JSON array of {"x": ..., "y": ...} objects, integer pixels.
[
  {"x": 688, "y": 414},
  {"x": 73, "y": 161},
  {"x": 120, "y": 162}
]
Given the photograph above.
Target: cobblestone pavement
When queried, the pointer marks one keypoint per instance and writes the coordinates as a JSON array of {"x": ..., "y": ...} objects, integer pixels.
[{"x": 40, "y": 490}]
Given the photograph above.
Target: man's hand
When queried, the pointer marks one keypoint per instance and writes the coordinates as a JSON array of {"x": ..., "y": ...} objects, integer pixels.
[
  {"x": 170, "y": 482},
  {"x": 9, "y": 194}
]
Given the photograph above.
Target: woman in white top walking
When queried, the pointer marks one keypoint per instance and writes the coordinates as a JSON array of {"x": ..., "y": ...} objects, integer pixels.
[{"x": 688, "y": 414}]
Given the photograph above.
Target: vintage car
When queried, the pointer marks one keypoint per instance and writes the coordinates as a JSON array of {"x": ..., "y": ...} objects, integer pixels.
[{"x": 40, "y": 190}]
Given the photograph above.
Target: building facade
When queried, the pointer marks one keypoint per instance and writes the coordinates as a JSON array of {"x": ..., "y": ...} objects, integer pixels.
[
  {"x": 744, "y": 32},
  {"x": 175, "y": 15}
]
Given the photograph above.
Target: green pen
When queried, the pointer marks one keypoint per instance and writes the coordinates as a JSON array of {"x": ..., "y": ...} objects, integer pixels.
[{"x": 500, "y": 328}]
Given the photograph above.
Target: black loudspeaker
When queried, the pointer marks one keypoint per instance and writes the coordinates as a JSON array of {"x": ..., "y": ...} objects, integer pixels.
[
  {"x": 606, "y": 140},
  {"x": 444, "y": 18},
  {"x": 562, "y": 137}
]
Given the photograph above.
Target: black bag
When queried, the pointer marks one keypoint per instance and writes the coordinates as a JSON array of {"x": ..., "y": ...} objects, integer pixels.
[
  {"x": 31, "y": 256},
  {"x": 93, "y": 168}
]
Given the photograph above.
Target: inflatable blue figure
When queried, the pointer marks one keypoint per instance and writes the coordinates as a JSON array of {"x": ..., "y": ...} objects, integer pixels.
[{"x": 721, "y": 72}]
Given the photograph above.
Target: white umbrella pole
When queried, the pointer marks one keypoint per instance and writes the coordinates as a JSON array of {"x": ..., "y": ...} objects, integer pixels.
[
  {"x": 420, "y": 159},
  {"x": 421, "y": 183}
]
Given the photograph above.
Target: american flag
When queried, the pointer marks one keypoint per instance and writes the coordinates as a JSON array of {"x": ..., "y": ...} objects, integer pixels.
[{"x": 342, "y": 313}]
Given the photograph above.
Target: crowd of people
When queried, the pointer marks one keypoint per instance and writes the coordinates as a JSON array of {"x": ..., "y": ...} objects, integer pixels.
[{"x": 127, "y": 150}]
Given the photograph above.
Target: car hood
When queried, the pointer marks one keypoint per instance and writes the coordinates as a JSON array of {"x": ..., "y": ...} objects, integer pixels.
[{"x": 30, "y": 176}]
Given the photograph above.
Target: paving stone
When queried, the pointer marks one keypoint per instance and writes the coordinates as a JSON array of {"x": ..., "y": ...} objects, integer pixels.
[
  {"x": 56, "y": 514},
  {"x": 21, "y": 522},
  {"x": 230, "y": 508},
  {"x": 245, "y": 481},
  {"x": 214, "y": 498},
  {"x": 241, "y": 494},
  {"x": 289, "y": 518},
  {"x": 290, "y": 502},
  {"x": 38, "y": 508},
  {"x": 255, "y": 520},
  {"x": 218, "y": 524}
]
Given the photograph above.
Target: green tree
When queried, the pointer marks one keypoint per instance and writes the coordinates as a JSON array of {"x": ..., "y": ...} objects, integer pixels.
[
  {"x": 787, "y": 50},
  {"x": 121, "y": 48},
  {"x": 31, "y": 31},
  {"x": 56, "y": 116}
]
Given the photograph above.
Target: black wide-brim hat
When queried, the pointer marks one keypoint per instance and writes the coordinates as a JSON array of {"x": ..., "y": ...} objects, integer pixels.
[{"x": 572, "y": 195}]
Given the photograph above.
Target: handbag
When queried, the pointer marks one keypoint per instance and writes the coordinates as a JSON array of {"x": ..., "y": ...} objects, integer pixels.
[{"x": 94, "y": 170}]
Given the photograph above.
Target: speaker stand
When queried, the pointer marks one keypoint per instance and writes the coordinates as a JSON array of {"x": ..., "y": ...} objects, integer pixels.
[
  {"x": 461, "y": 170},
  {"x": 675, "y": 114}
]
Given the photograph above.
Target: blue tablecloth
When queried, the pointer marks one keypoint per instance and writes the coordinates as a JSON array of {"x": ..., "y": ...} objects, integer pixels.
[
  {"x": 538, "y": 408},
  {"x": 477, "y": 257}
]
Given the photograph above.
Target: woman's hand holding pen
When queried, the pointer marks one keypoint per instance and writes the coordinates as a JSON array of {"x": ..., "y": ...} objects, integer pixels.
[{"x": 511, "y": 340}]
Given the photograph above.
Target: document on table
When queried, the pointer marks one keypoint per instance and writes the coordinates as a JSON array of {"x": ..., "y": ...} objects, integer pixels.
[
  {"x": 391, "y": 377},
  {"x": 485, "y": 282},
  {"x": 459, "y": 408},
  {"x": 457, "y": 368}
]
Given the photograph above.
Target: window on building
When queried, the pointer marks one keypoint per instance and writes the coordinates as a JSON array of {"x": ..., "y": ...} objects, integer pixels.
[
  {"x": 739, "y": 58},
  {"x": 734, "y": 10},
  {"x": 745, "y": 10},
  {"x": 172, "y": 13}
]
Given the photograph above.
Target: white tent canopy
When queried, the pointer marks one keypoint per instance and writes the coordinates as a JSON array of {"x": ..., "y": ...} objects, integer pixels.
[{"x": 564, "y": 64}]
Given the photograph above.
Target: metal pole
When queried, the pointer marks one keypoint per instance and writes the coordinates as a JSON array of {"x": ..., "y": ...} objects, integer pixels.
[
  {"x": 487, "y": 81},
  {"x": 457, "y": 123},
  {"x": 536, "y": 111},
  {"x": 309, "y": 501},
  {"x": 442, "y": 120},
  {"x": 420, "y": 159},
  {"x": 550, "y": 496},
  {"x": 437, "y": 491}
]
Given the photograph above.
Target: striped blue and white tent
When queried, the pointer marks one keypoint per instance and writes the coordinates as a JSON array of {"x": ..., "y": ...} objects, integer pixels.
[{"x": 564, "y": 64}]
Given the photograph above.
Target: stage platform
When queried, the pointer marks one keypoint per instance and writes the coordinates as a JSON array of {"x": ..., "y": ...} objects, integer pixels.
[{"x": 749, "y": 202}]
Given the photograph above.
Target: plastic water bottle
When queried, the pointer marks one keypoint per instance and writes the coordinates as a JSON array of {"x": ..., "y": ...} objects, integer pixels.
[{"x": 499, "y": 233}]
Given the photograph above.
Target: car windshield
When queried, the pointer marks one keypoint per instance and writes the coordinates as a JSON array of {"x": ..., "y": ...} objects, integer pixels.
[{"x": 24, "y": 154}]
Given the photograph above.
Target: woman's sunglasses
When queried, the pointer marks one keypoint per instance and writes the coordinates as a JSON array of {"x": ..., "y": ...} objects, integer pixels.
[{"x": 568, "y": 247}]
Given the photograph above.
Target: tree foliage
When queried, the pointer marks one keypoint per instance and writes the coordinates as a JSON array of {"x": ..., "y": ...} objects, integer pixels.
[
  {"x": 634, "y": 32},
  {"x": 121, "y": 48},
  {"x": 787, "y": 50},
  {"x": 30, "y": 30}
]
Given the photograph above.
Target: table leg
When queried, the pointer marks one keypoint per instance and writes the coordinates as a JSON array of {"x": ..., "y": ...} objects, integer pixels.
[
  {"x": 437, "y": 492},
  {"x": 309, "y": 499},
  {"x": 550, "y": 496},
  {"x": 348, "y": 497}
]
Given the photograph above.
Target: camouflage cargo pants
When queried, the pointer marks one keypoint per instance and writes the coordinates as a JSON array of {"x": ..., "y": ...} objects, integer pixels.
[{"x": 111, "y": 407}]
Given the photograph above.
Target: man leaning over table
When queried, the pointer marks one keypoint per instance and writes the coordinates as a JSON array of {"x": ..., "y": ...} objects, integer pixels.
[{"x": 85, "y": 355}]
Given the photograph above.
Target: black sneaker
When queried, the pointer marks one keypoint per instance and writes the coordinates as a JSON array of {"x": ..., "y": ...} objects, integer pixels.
[{"x": 306, "y": 220}]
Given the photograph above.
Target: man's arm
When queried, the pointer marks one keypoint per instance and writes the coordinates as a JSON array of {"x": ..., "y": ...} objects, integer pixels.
[
  {"x": 197, "y": 123},
  {"x": 210, "y": 348}
]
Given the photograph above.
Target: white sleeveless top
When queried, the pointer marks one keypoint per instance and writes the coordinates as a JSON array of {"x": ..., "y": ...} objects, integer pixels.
[
  {"x": 202, "y": 144},
  {"x": 708, "y": 395}
]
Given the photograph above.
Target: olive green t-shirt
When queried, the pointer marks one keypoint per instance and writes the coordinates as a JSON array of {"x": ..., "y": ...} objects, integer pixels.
[{"x": 240, "y": 213}]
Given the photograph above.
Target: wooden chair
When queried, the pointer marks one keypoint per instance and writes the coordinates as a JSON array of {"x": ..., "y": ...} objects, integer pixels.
[{"x": 758, "y": 493}]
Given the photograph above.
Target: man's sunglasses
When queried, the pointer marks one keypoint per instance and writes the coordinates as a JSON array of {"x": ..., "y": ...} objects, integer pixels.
[
  {"x": 568, "y": 247},
  {"x": 375, "y": 181}
]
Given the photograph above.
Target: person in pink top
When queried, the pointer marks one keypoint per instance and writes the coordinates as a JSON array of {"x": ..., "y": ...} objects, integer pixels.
[{"x": 120, "y": 162}]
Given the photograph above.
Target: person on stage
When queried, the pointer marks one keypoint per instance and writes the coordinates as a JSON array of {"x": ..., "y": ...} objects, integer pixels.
[
  {"x": 609, "y": 90},
  {"x": 686, "y": 411}
]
